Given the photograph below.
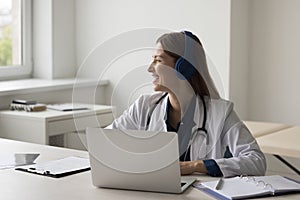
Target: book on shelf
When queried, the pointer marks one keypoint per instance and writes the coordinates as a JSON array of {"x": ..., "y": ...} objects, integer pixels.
[
  {"x": 245, "y": 187},
  {"x": 28, "y": 108},
  {"x": 25, "y": 102}
]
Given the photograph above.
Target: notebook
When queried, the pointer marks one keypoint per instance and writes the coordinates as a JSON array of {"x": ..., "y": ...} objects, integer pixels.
[
  {"x": 250, "y": 187},
  {"x": 59, "y": 168}
]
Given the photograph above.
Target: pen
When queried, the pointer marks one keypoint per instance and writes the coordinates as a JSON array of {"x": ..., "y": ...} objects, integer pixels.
[{"x": 219, "y": 184}]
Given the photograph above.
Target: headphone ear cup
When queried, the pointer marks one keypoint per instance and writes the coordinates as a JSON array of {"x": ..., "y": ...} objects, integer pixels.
[
  {"x": 179, "y": 68},
  {"x": 184, "y": 69}
]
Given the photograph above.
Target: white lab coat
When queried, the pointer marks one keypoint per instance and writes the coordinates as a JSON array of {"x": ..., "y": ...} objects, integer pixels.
[{"x": 223, "y": 126}]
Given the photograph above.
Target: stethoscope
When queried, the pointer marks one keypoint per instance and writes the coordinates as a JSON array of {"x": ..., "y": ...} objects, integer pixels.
[{"x": 202, "y": 130}]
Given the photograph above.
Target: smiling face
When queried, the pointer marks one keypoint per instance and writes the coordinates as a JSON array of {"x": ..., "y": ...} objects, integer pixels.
[{"x": 162, "y": 70}]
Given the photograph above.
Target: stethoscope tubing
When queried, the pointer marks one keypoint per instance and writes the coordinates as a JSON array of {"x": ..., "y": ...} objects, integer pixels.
[
  {"x": 202, "y": 130},
  {"x": 198, "y": 129}
]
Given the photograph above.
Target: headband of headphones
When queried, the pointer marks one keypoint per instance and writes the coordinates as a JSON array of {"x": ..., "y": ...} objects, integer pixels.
[{"x": 184, "y": 69}]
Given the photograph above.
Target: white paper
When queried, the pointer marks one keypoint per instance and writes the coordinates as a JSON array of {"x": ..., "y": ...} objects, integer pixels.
[
  {"x": 16, "y": 159},
  {"x": 68, "y": 164}
]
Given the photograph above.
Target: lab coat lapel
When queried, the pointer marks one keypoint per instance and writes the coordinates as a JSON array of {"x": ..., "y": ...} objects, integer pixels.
[
  {"x": 198, "y": 146},
  {"x": 157, "y": 122},
  {"x": 186, "y": 127}
]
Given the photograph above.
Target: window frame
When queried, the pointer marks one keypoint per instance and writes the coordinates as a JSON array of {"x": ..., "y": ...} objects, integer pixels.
[{"x": 24, "y": 70}]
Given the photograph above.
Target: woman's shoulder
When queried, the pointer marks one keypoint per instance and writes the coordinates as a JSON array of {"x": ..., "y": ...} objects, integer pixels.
[
  {"x": 150, "y": 98},
  {"x": 220, "y": 103},
  {"x": 220, "y": 108}
]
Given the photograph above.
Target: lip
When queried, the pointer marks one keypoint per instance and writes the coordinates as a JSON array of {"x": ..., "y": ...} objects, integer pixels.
[
  {"x": 155, "y": 82},
  {"x": 155, "y": 79}
]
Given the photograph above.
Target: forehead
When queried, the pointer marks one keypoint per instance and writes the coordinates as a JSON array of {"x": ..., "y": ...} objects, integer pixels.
[{"x": 159, "y": 52}]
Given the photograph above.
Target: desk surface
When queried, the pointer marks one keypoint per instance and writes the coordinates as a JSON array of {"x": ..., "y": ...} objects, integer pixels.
[
  {"x": 56, "y": 115},
  {"x": 284, "y": 142},
  {"x": 21, "y": 185},
  {"x": 264, "y": 128}
]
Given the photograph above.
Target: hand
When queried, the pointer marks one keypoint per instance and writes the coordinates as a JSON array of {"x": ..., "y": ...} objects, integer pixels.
[{"x": 190, "y": 167}]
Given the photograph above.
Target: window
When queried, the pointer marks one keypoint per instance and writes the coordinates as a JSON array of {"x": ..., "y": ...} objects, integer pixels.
[{"x": 15, "y": 38}]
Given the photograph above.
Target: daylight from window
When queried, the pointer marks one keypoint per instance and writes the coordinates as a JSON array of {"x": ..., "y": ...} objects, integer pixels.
[{"x": 10, "y": 33}]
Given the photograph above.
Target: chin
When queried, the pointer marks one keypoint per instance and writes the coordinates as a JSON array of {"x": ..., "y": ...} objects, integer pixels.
[
  {"x": 156, "y": 89},
  {"x": 159, "y": 88}
]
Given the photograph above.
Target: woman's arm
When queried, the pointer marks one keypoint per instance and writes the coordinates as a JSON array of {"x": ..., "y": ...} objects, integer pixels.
[
  {"x": 134, "y": 117},
  {"x": 247, "y": 157},
  {"x": 190, "y": 167}
]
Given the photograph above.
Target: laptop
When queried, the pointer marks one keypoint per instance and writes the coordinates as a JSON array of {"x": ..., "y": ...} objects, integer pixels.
[{"x": 136, "y": 160}]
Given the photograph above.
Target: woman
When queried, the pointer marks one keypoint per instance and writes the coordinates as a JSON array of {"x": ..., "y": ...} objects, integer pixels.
[{"x": 212, "y": 139}]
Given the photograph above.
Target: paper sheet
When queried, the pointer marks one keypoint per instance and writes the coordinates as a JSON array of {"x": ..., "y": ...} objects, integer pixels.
[
  {"x": 59, "y": 168},
  {"x": 11, "y": 160}
]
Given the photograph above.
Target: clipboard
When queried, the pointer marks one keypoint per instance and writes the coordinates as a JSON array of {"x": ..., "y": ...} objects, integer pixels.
[{"x": 58, "y": 168}]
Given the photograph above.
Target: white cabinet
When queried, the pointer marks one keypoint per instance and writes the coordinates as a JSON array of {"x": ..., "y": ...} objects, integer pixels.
[{"x": 54, "y": 127}]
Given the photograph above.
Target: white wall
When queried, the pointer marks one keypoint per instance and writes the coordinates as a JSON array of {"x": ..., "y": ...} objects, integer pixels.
[
  {"x": 64, "y": 54},
  {"x": 98, "y": 21},
  {"x": 54, "y": 39},
  {"x": 274, "y": 61},
  {"x": 42, "y": 39},
  {"x": 239, "y": 51}
]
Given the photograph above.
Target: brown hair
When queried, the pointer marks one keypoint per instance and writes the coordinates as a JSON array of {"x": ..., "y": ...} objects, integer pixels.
[{"x": 173, "y": 44}]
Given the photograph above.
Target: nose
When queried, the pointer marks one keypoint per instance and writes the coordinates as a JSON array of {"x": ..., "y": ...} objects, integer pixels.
[{"x": 151, "y": 68}]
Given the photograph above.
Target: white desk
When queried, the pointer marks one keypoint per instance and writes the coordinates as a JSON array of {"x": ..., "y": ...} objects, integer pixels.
[
  {"x": 41, "y": 127},
  {"x": 284, "y": 142},
  {"x": 16, "y": 185},
  {"x": 264, "y": 128}
]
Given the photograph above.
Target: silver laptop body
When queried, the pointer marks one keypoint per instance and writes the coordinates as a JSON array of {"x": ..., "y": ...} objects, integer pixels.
[{"x": 135, "y": 160}]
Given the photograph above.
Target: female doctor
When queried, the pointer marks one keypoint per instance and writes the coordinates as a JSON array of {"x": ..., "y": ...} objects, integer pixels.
[{"x": 212, "y": 139}]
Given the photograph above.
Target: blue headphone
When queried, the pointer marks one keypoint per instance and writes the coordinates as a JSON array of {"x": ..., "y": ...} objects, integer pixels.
[{"x": 184, "y": 69}]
